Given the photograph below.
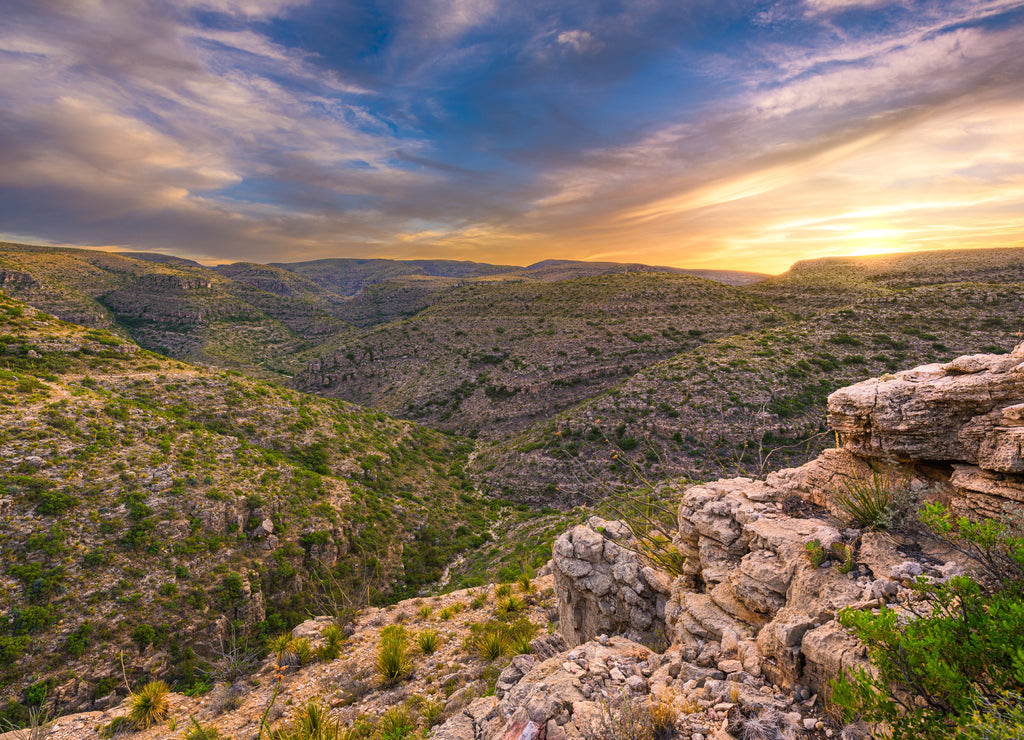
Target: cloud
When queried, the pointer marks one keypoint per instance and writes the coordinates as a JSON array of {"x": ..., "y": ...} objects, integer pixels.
[
  {"x": 655, "y": 131},
  {"x": 830, "y": 6},
  {"x": 578, "y": 41}
]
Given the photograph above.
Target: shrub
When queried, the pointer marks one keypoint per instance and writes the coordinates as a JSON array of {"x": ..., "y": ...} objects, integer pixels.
[
  {"x": 396, "y": 724},
  {"x": 432, "y": 712},
  {"x": 491, "y": 645},
  {"x": 624, "y": 718},
  {"x": 519, "y": 644},
  {"x": 881, "y": 502},
  {"x": 291, "y": 651},
  {"x": 393, "y": 662},
  {"x": 149, "y": 706},
  {"x": 955, "y": 663},
  {"x": 333, "y": 638},
  {"x": 428, "y": 641},
  {"x": 144, "y": 635},
  {"x": 234, "y": 660},
  {"x": 510, "y": 605},
  {"x": 503, "y": 590},
  {"x": 525, "y": 585},
  {"x": 312, "y": 722},
  {"x": 302, "y": 649}
]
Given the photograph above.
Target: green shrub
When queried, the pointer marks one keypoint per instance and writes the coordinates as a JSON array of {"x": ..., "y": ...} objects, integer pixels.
[
  {"x": 881, "y": 502},
  {"x": 396, "y": 724},
  {"x": 491, "y": 645},
  {"x": 312, "y": 722},
  {"x": 149, "y": 706},
  {"x": 393, "y": 661},
  {"x": 519, "y": 644},
  {"x": 333, "y": 638},
  {"x": 955, "y": 664},
  {"x": 428, "y": 641},
  {"x": 432, "y": 712},
  {"x": 525, "y": 585},
  {"x": 510, "y": 605},
  {"x": 144, "y": 635},
  {"x": 302, "y": 649}
]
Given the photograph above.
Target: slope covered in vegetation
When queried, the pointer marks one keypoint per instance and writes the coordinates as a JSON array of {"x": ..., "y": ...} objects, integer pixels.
[{"x": 150, "y": 507}]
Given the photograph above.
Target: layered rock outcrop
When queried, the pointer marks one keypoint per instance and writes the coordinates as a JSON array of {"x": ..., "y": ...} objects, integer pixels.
[
  {"x": 606, "y": 587},
  {"x": 749, "y": 599}
]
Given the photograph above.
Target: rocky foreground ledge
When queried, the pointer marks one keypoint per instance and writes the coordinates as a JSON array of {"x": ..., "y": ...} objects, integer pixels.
[
  {"x": 749, "y": 605},
  {"x": 745, "y": 635}
]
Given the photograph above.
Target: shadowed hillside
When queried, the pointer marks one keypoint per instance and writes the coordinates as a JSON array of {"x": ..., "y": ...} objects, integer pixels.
[{"x": 491, "y": 357}]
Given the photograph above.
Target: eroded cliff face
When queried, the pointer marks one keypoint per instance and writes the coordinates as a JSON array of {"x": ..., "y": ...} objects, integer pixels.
[{"x": 749, "y": 602}]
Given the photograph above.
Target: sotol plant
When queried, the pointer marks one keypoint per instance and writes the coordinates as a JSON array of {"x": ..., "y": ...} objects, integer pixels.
[
  {"x": 149, "y": 706},
  {"x": 393, "y": 661},
  {"x": 882, "y": 501}
]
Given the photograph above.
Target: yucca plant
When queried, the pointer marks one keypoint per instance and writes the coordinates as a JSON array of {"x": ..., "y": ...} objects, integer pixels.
[
  {"x": 478, "y": 601},
  {"x": 525, "y": 584},
  {"x": 396, "y": 723},
  {"x": 312, "y": 722},
  {"x": 425, "y": 611},
  {"x": 519, "y": 644},
  {"x": 199, "y": 732},
  {"x": 510, "y": 605},
  {"x": 428, "y": 641},
  {"x": 879, "y": 502},
  {"x": 491, "y": 645},
  {"x": 333, "y": 638},
  {"x": 302, "y": 649},
  {"x": 432, "y": 712},
  {"x": 281, "y": 646},
  {"x": 502, "y": 590},
  {"x": 291, "y": 651},
  {"x": 393, "y": 662},
  {"x": 149, "y": 706}
]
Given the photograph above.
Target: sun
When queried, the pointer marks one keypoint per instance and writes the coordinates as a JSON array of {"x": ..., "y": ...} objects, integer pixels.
[{"x": 874, "y": 241}]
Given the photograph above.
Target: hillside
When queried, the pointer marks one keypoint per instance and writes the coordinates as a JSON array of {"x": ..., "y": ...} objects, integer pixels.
[
  {"x": 819, "y": 284},
  {"x": 496, "y": 356},
  {"x": 151, "y": 507},
  {"x": 552, "y": 270},
  {"x": 750, "y": 403},
  {"x": 176, "y": 309},
  {"x": 348, "y": 276}
]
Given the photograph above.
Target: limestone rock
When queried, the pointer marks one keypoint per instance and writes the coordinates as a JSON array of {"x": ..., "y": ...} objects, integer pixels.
[
  {"x": 951, "y": 413},
  {"x": 603, "y": 587}
]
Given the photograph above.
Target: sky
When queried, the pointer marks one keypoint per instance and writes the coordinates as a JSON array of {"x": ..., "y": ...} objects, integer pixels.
[{"x": 722, "y": 134}]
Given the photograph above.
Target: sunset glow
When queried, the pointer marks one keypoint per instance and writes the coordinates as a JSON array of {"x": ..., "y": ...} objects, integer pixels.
[{"x": 700, "y": 134}]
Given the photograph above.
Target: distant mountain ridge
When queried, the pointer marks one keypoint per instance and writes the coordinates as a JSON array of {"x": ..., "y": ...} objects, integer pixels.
[{"x": 687, "y": 376}]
